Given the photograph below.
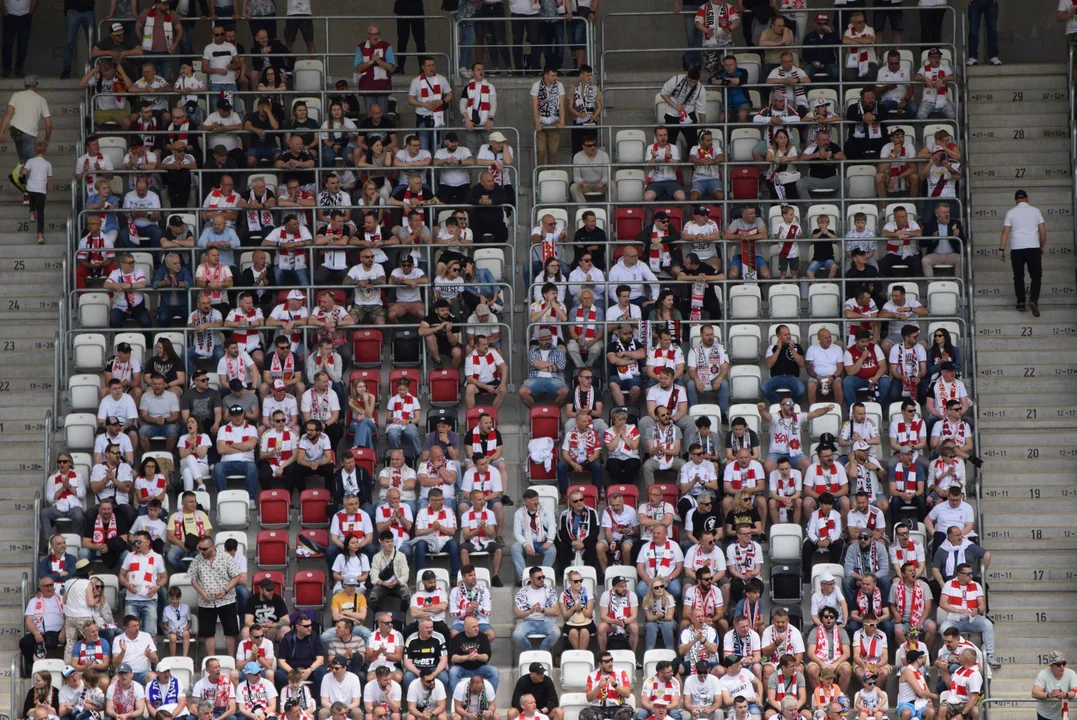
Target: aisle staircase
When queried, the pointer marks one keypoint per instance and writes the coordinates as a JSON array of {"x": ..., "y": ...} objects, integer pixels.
[
  {"x": 30, "y": 291},
  {"x": 1027, "y": 379}
]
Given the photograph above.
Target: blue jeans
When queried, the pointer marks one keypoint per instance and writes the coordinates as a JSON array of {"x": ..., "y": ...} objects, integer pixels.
[
  {"x": 544, "y": 386},
  {"x": 24, "y": 144},
  {"x": 428, "y": 139},
  {"x": 486, "y": 672},
  {"x": 666, "y": 627},
  {"x": 983, "y": 9},
  {"x": 75, "y": 21},
  {"x": 193, "y": 357},
  {"x": 118, "y": 317},
  {"x": 467, "y": 43},
  {"x": 329, "y": 154},
  {"x": 415, "y": 551},
  {"x": 174, "y": 558},
  {"x": 223, "y": 469},
  {"x": 722, "y": 390},
  {"x": 774, "y": 383},
  {"x": 910, "y": 107},
  {"x": 694, "y": 39},
  {"x": 852, "y": 383},
  {"x": 673, "y": 587},
  {"x": 299, "y": 276},
  {"x": 186, "y": 46},
  {"x": 545, "y": 627},
  {"x": 594, "y": 466},
  {"x": 144, "y": 610},
  {"x": 243, "y": 594},
  {"x": 394, "y": 433},
  {"x": 978, "y": 624},
  {"x": 364, "y": 431},
  {"x": 520, "y": 561}
]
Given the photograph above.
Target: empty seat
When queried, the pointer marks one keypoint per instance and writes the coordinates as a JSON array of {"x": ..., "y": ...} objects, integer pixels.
[
  {"x": 943, "y": 297},
  {"x": 308, "y": 75},
  {"x": 114, "y": 148},
  {"x": 444, "y": 387},
  {"x": 745, "y": 301},
  {"x": 749, "y": 62},
  {"x": 744, "y": 183},
  {"x": 783, "y": 301},
  {"x": 233, "y": 509},
  {"x": 89, "y": 351},
  {"x": 824, "y": 300},
  {"x": 860, "y": 181},
  {"x": 828, "y": 422},
  {"x": 83, "y": 392},
  {"x": 576, "y": 665},
  {"x": 630, "y": 146},
  {"x": 94, "y": 309},
  {"x": 741, "y": 143},
  {"x": 553, "y": 186},
  {"x": 274, "y": 508},
  {"x": 786, "y": 542},
  {"x": 80, "y": 430},
  {"x": 745, "y": 343},
  {"x": 629, "y": 185},
  {"x": 492, "y": 259},
  {"x": 744, "y": 383}
]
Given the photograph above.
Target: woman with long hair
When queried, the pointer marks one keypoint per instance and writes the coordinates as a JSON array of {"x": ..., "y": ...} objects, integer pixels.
[
  {"x": 150, "y": 483},
  {"x": 450, "y": 284},
  {"x": 781, "y": 179},
  {"x": 167, "y": 363},
  {"x": 273, "y": 86},
  {"x": 658, "y": 607},
  {"x": 577, "y": 608},
  {"x": 41, "y": 694},
  {"x": 742, "y": 511},
  {"x": 551, "y": 273},
  {"x": 304, "y": 125},
  {"x": 941, "y": 349},
  {"x": 363, "y": 426},
  {"x": 193, "y": 448},
  {"x": 665, "y": 312},
  {"x": 352, "y": 561},
  {"x": 375, "y": 163},
  {"x": 338, "y": 140}
]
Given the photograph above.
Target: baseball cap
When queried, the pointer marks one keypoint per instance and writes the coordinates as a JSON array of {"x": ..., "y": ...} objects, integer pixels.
[
  {"x": 220, "y": 149},
  {"x": 296, "y": 295},
  {"x": 235, "y": 385},
  {"x": 266, "y": 584},
  {"x": 349, "y": 580},
  {"x": 619, "y": 579},
  {"x": 429, "y": 574},
  {"x": 252, "y": 668},
  {"x": 123, "y": 347},
  {"x": 947, "y": 366},
  {"x": 175, "y": 221},
  {"x": 934, "y": 51},
  {"x": 124, "y": 668},
  {"x": 821, "y": 18},
  {"x": 906, "y": 449},
  {"x": 731, "y": 660},
  {"x": 482, "y": 309},
  {"x": 113, "y": 420},
  {"x": 1020, "y": 195},
  {"x": 278, "y": 384},
  {"x": 660, "y": 215},
  {"x": 827, "y": 578},
  {"x": 537, "y": 667},
  {"x": 31, "y": 80},
  {"x": 116, "y": 27},
  {"x": 497, "y": 137},
  {"x": 235, "y": 410},
  {"x": 545, "y": 333},
  {"x": 702, "y": 210},
  {"x": 68, "y": 671},
  {"x": 224, "y": 104},
  {"x": 340, "y": 660},
  {"x": 860, "y": 445},
  {"x": 341, "y": 85}
]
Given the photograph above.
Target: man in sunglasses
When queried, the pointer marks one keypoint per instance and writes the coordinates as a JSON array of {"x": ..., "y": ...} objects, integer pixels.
[
  {"x": 534, "y": 608},
  {"x": 300, "y": 650},
  {"x": 607, "y": 691},
  {"x": 214, "y": 577},
  {"x": 64, "y": 493}
]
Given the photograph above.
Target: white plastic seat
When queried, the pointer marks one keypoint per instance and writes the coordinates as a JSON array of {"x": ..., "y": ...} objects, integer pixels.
[
  {"x": 831, "y": 97},
  {"x": 709, "y": 410},
  {"x": 820, "y": 209},
  {"x": 531, "y": 656},
  {"x": 625, "y": 571},
  {"x": 950, "y": 326},
  {"x": 576, "y": 665},
  {"x": 750, "y": 413},
  {"x": 661, "y": 109},
  {"x": 624, "y": 660},
  {"x": 601, "y": 218},
  {"x": 270, "y": 179},
  {"x": 630, "y": 145},
  {"x": 695, "y": 335},
  {"x": 181, "y": 667},
  {"x": 549, "y": 497},
  {"x": 588, "y": 574},
  {"x": 772, "y": 332},
  {"x": 308, "y": 76},
  {"x": 82, "y": 463},
  {"x": 745, "y": 302},
  {"x": 852, "y": 97},
  {"x": 651, "y": 658},
  {"x": 573, "y": 702},
  {"x": 907, "y": 60},
  {"x": 112, "y": 589},
  {"x": 786, "y": 542},
  {"x": 774, "y": 216},
  {"x": 821, "y": 569},
  {"x": 189, "y": 596},
  {"x": 553, "y": 186},
  {"x": 179, "y": 344},
  {"x": 860, "y": 181},
  {"x": 930, "y": 129},
  {"x": 629, "y": 185},
  {"x": 492, "y": 259},
  {"x": 314, "y": 108},
  {"x": 137, "y": 341},
  {"x": 745, "y": 343},
  {"x": 80, "y": 430},
  {"x": 233, "y": 509},
  {"x": 89, "y": 351},
  {"x": 442, "y": 578},
  {"x": 783, "y": 301},
  {"x": 947, "y": 57},
  {"x": 227, "y": 662},
  {"x": 912, "y": 290},
  {"x": 83, "y": 392},
  {"x": 943, "y": 297},
  {"x": 741, "y": 143},
  {"x": 869, "y": 210},
  {"x": 829, "y": 422},
  {"x": 744, "y": 383},
  {"x": 53, "y": 666},
  {"x": 835, "y": 332},
  {"x": 910, "y": 208},
  {"x": 893, "y": 411},
  {"x": 824, "y": 300},
  {"x": 114, "y": 147},
  {"x": 874, "y": 411},
  {"x": 94, "y": 309},
  {"x": 749, "y": 62}
]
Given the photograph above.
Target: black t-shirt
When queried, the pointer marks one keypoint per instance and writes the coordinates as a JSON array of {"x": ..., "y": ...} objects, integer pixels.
[
  {"x": 706, "y": 521},
  {"x": 163, "y": 367},
  {"x": 785, "y": 364},
  {"x": 476, "y": 434},
  {"x": 463, "y": 645},
  {"x": 865, "y": 276},
  {"x": 545, "y": 693},
  {"x": 201, "y": 404},
  {"x": 734, "y": 518},
  {"x": 824, "y": 170},
  {"x": 261, "y": 123},
  {"x": 382, "y": 131},
  {"x": 753, "y": 440},
  {"x": 305, "y": 177},
  {"x": 433, "y": 320},
  {"x": 823, "y": 249},
  {"x": 265, "y": 611},
  {"x": 425, "y": 653}
]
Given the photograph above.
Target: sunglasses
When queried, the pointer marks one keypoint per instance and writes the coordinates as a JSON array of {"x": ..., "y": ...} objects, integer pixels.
[
  {"x": 659, "y": 587},
  {"x": 63, "y": 462},
  {"x": 590, "y": 144},
  {"x": 576, "y": 581},
  {"x": 205, "y": 549},
  {"x": 577, "y": 500},
  {"x": 697, "y": 453},
  {"x": 539, "y": 577}
]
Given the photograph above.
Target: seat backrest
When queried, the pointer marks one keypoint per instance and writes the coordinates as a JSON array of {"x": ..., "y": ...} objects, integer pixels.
[{"x": 630, "y": 146}]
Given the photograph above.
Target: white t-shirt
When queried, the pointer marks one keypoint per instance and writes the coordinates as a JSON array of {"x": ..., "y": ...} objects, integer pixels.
[
  {"x": 376, "y": 276},
  {"x": 899, "y": 77},
  {"x": 143, "y": 572},
  {"x": 345, "y": 691},
  {"x": 454, "y": 177},
  {"x": 946, "y": 517},
  {"x": 460, "y": 694},
  {"x": 219, "y": 58},
  {"x": 241, "y": 434},
  {"x": 124, "y": 408},
  {"x": 40, "y": 170},
  {"x": 740, "y": 684},
  {"x": 436, "y": 87},
  {"x": 825, "y": 360},
  {"x": 1071, "y": 24},
  {"x": 373, "y": 693},
  {"x": 136, "y": 650},
  {"x": 424, "y": 698},
  {"x": 405, "y": 294},
  {"x": 1023, "y": 219},
  {"x": 703, "y": 693}
]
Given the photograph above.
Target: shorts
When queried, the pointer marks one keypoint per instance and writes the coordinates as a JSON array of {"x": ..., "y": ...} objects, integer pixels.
[
  {"x": 919, "y": 714},
  {"x": 263, "y": 152},
  {"x": 627, "y": 384},
  {"x": 577, "y": 33},
  {"x": 707, "y": 186},
  {"x": 491, "y": 547},
  {"x": 794, "y": 458},
  {"x": 788, "y": 263},
  {"x": 362, "y": 312},
  {"x": 544, "y": 386},
  {"x": 168, "y": 430},
  {"x": 665, "y": 188},
  {"x": 879, "y": 18},
  {"x": 208, "y": 617},
  {"x": 590, "y": 627},
  {"x": 815, "y": 266},
  {"x": 734, "y": 262},
  {"x": 110, "y": 116},
  {"x": 293, "y": 27}
]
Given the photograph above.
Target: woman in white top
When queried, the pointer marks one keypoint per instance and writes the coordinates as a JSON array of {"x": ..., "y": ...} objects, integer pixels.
[
  {"x": 551, "y": 273},
  {"x": 449, "y": 285},
  {"x": 339, "y": 142},
  {"x": 193, "y": 449},
  {"x": 352, "y": 561},
  {"x": 782, "y": 152},
  {"x": 150, "y": 483},
  {"x": 658, "y": 607},
  {"x": 622, "y": 443}
]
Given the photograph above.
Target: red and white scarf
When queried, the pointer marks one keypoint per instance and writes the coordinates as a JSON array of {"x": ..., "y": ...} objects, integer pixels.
[
  {"x": 235, "y": 369},
  {"x": 285, "y": 443},
  {"x": 745, "y": 477},
  {"x": 213, "y": 274},
  {"x": 589, "y": 330},
  {"x": 785, "y": 685},
  {"x": 283, "y": 371},
  {"x": 828, "y": 648},
  {"x": 351, "y": 525},
  {"x": 488, "y": 446},
  {"x": 94, "y": 653},
  {"x": 100, "y": 535},
  {"x": 658, "y": 251},
  {"x": 216, "y": 196},
  {"x": 259, "y": 219},
  {"x": 792, "y": 233},
  {"x": 786, "y": 487},
  {"x": 869, "y": 652},
  {"x": 858, "y": 55},
  {"x": 432, "y": 92},
  {"x": 488, "y": 359},
  {"x": 582, "y": 447},
  {"x": 825, "y": 525},
  {"x": 902, "y": 558},
  {"x": 953, "y": 431},
  {"x": 478, "y": 101},
  {"x": 142, "y": 126},
  {"x": 181, "y": 526},
  {"x": 243, "y": 335},
  {"x": 666, "y": 563},
  {"x": 905, "y": 481},
  {"x": 147, "y": 29},
  {"x": 826, "y": 481},
  {"x": 915, "y": 607},
  {"x": 909, "y": 433},
  {"x": 874, "y": 606}
]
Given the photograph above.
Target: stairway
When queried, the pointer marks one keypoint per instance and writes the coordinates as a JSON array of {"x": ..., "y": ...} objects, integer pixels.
[
  {"x": 30, "y": 289},
  {"x": 1026, "y": 377}
]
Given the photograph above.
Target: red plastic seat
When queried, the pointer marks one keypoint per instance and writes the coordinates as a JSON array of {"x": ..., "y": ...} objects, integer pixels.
[
  {"x": 276, "y": 576},
  {"x": 744, "y": 183},
  {"x": 399, "y": 374},
  {"x": 308, "y": 590},
  {"x": 537, "y": 472},
  {"x": 473, "y": 415},
  {"x": 365, "y": 458},
  {"x": 366, "y": 348},
  {"x": 676, "y": 216},
  {"x": 590, "y": 494},
  {"x": 314, "y": 508},
  {"x": 628, "y": 222},
  {"x": 373, "y": 382},
  {"x": 546, "y": 422},
  {"x": 444, "y": 387},
  {"x": 630, "y": 492},
  {"x": 282, "y": 296},
  {"x": 272, "y": 549},
  {"x": 274, "y": 508},
  {"x": 670, "y": 493},
  {"x": 321, "y": 537},
  {"x": 716, "y": 213}
]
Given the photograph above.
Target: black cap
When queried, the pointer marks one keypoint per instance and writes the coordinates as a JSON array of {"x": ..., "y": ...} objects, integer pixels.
[
  {"x": 123, "y": 347},
  {"x": 291, "y": 703},
  {"x": 429, "y": 575},
  {"x": 340, "y": 660},
  {"x": 1020, "y": 195},
  {"x": 235, "y": 410},
  {"x": 175, "y": 221},
  {"x": 702, "y": 210},
  {"x": 537, "y": 667},
  {"x": 947, "y": 366},
  {"x": 266, "y": 584},
  {"x": 731, "y": 659},
  {"x": 660, "y": 215},
  {"x": 113, "y": 420},
  {"x": 224, "y": 104},
  {"x": 235, "y": 385}
]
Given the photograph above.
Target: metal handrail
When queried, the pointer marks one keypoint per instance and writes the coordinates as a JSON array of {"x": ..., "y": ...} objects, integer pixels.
[
  {"x": 15, "y": 684},
  {"x": 588, "y": 44},
  {"x": 37, "y": 528}
]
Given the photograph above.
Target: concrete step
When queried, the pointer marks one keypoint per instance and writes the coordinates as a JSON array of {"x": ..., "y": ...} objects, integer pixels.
[
  {"x": 985, "y": 257},
  {"x": 1037, "y": 367},
  {"x": 1029, "y": 86},
  {"x": 985, "y": 230},
  {"x": 1003, "y": 126},
  {"x": 1033, "y": 632},
  {"x": 1023, "y": 417},
  {"x": 1011, "y": 560},
  {"x": 984, "y": 142},
  {"x": 1032, "y": 385},
  {"x": 28, "y": 376},
  {"x": 998, "y": 201},
  {"x": 1005, "y": 105},
  {"x": 1022, "y": 659},
  {"x": 14, "y": 224},
  {"x": 1031, "y": 180},
  {"x": 1012, "y": 485}
]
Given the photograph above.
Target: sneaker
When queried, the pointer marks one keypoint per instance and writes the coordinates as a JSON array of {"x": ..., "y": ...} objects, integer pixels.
[
  {"x": 39, "y": 651},
  {"x": 995, "y": 61},
  {"x": 1020, "y": 307},
  {"x": 65, "y": 74},
  {"x": 496, "y": 582},
  {"x": 507, "y": 501},
  {"x": 993, "y": 661},
  {"x": 971, "y": 61},
  {"x": 40, "y": 239},
  {"x": 1035, "y": 309},
  {"x": 466, "y": 74},
  {"x": 26, "y": 199}
]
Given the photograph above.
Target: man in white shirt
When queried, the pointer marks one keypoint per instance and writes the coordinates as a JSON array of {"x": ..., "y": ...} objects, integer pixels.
[
  {"x": 902, "y": 246},
  {"x": 1026, "y": 232},
  {"x": 661, "y": 158},
  {"x": 144, "y": 207},
  {"x": 236, "y": 442},
  {"x": 894, "y": 88},
  {"x": 639, "y": 278},
  {"x": 965, "y": 603},
  {"x": 128, "y": 301},
  {"x": 825, "y": 365},
  {"x": 954, "y": 512},
  {"x": 534, "y": 528},
  {"x": 454, "y": 181},
  {"x": 430, "y": 95}
]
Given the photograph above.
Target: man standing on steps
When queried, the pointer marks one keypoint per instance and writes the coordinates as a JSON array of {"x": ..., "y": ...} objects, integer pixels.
[
  {"x": 23, "y": 116},
  {"x": 1027, "y": 234}
]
